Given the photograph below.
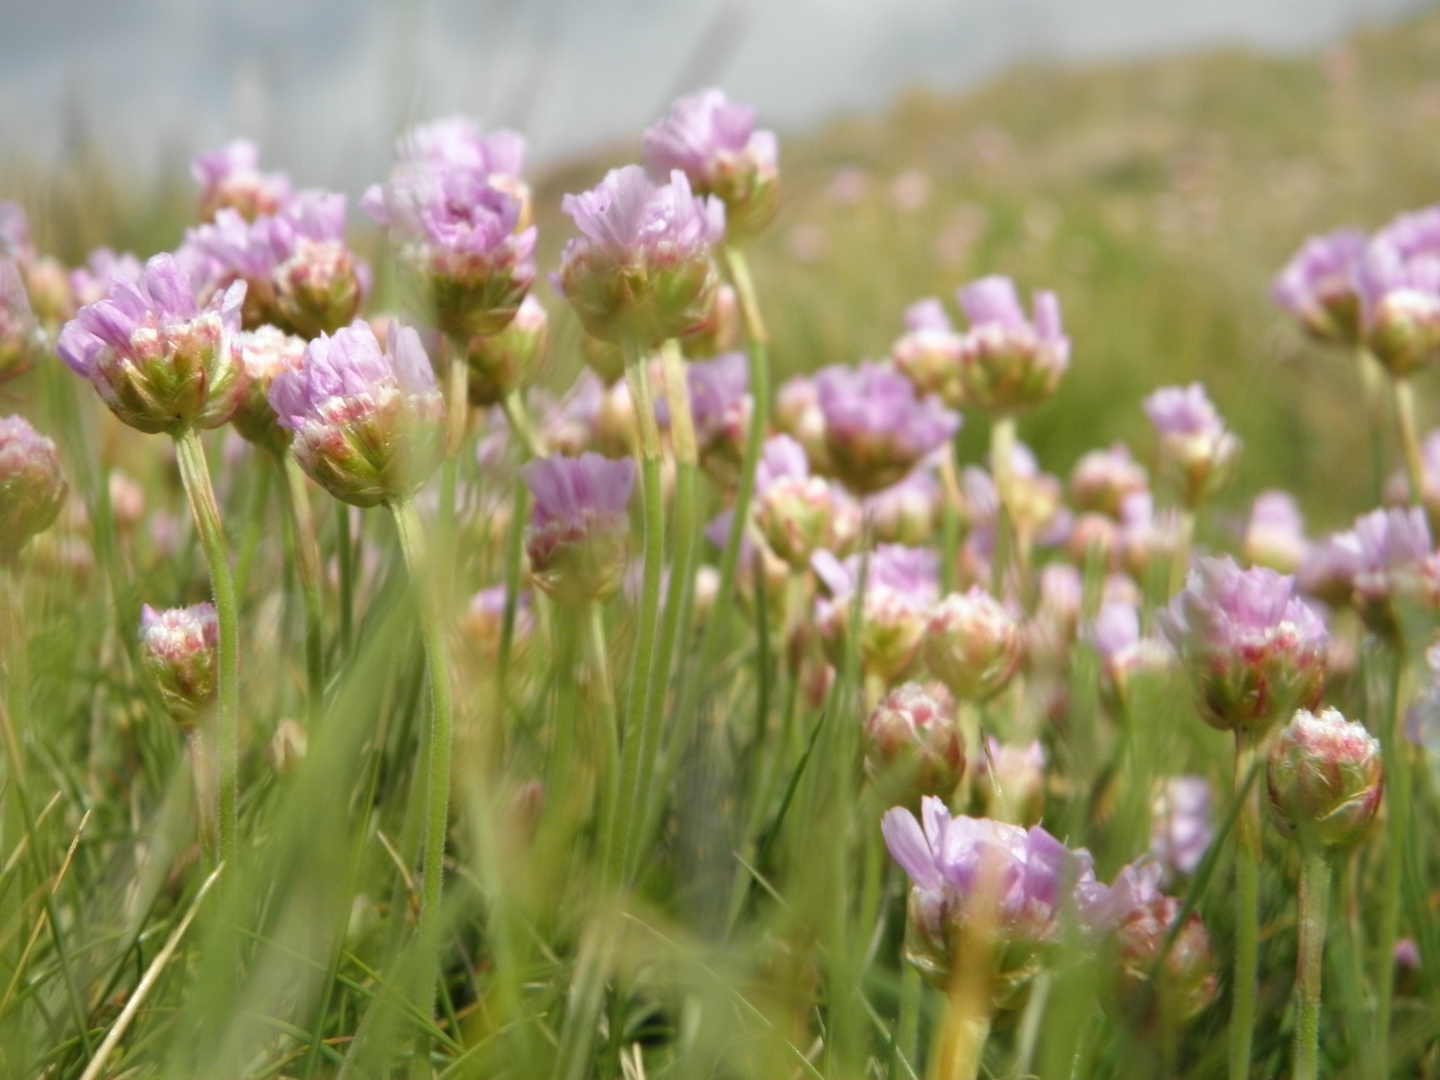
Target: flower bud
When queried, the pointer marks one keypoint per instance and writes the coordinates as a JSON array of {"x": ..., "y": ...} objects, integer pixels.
[
  {"x": 230, "y": 178},
  {"x": 900, "y": 585},
  {"x": 1325, "y": 776},
  {"x": 912, "y": 747},
  {"x": 1009, "y": 364},
  {"x": 1275, "y": 534},
  {"x": 179, "y": 649},
  {"x": 796, "y": 513},
  {"x": 1010, "y": 781},
  {"x": 798, "y": 414},
  {"x": 265, "y": 352},
  {"x": 1103, "y": 479},
  {"x": 368, "y": 425},
  {"x": 972, "y": 644},
  {"x": 720, "y": 332},
  {"x": 1400, "y": 304},
  {"x": 720, "y": 405},
  {"x": 1317, "y": 285},
  {"x": 1186, "y": 982},
  {"x": 32, "y": 487},
  {"x": 928, "y": 354},
  {"x": 21, "y": 339},
  {"x": 907, "y": 512},
  {"x": 579, "y": 533},
  {"x": 500, "y": 363},
  {"x": 48, "y": 284},
  {"x": 1194, "y": 444},
  {"x": 318, "y": 288}
]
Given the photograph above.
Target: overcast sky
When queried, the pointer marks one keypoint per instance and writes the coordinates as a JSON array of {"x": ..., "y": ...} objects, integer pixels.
[{"x": 324, "y": 85}]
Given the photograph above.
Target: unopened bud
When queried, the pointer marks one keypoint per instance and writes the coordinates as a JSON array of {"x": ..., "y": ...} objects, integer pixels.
[
  {"x": 179, "y": 648},
  {"x": 912, "y": 747},
  {"x": 972, "y": 644},
  {"x": 32, "y": 488},
  {"x": 318, "y": 289},
  {"x": 510, "y": 359},
  {"x": 1186, "y": 982},
  {"x": 1325, "y": 777}
]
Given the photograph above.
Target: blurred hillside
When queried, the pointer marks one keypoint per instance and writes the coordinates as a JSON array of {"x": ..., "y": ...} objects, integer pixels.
[{"x": 1157, "y": 198}]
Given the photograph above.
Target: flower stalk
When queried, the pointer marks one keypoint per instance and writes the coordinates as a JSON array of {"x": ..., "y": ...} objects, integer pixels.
[
  {"x": 1247, "y": 904},
  {"x": 1314, "y": 911},
  {"x": 307, "y": 568}
]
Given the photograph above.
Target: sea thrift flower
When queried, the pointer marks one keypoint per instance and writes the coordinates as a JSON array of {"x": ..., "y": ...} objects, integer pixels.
[
  {"x": 32, "y": 487},
  {"x": 368, "y": 424},
  {"x": 721, "y": 405},
  {"x": 900, "y": 586},
  {"x": 1317, "y": 286},
  {"x": 1186, "y": 982},
  {"x": 796, "y": 513},
  {"x": 1180, "y": 826},
  {"x": 720, "y": 332},
  {"x": 1010, "y": 781},
  {"x": 579, "y": 533},
  {"x": 179, "y": 649},
  {"x": 265, "y": 352},
  {"x": 972, "y": 644},
  {"x": 1325, "y": 778},
  {"x": 1254, "y": 649},
  {"x": 973, "y": 875},
  {"x": 160, "y": 361},
  {"x": 454, "y": 211},
  {"x": 912, "y": 746},
  {"x": 1275, "y": 534},
  {"x": 482, "y": 622},
  {"x": 907, "y": 512},
  {"x": 1400, "y": 306},
  {"x": 713, "y": 141},
  {"x": 928, "y": 354},
  {"x": 21, "y": 339},
  {"x": 502, "y": 362},
  {"x": 1124, "y": 652},
  {"x": 1392, "y": 561},
  {"x": 798, "y": 414},
  {"x": 230, "y": 178},
  {"x": 1103, "y": 479},
  {"x": 1146, "y": 534},
  {"x": 876, "y": 430},
  {"x": 1009, "y": 364},
  {"x": 91, "y": 282},
  {"x": 1193, "y": 442},
  {"x": 641, "y": 268}
]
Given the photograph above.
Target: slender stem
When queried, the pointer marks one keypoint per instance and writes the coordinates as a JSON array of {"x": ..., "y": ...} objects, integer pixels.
[
  {"x": 1397, "y": 797},
  {"x": 195, "y": 474},
  {"x": 1247, "y": 899},
  {"x": 626, "y": 810},
  {"x": 963, "y": 1035},
  {"x": 682, "y": 437},
  {"x": 1404, "y": 395},
  {"x": 1372, "y": 379},
  {"x": 951, "y": 498},
  {"x": 437, "y": 763},
  {"x": 307, "y": 568},
  {"x": 1180, "y": 558},
  {"x": 607, "y": 752},
  {"x": 254, "y": 529},
  {"x": 521, "y": 424},
  {"x": 907, "y": 1037},
  {"x": 1314, "y": 909},
  {"x": 345, "y": 555},
  {"x": 1002, "y": 467}
]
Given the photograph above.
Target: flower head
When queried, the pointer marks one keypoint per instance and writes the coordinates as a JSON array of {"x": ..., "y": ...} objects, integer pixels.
[
  {"x": 91, "y": 282},
  {"x": 1180, "y": 826},
  {"x": 1009, "y": 364},
  {"x": 912, "y": 746},
  {"x": 799, "y": 514},
  {"x": 1255, "y": 650},
  {"x": 1194, "y": 443},
  {"x": 1011, "y": 781},
  {"x": 641, "y": 267},
  {"x": 502, "y": 362},
  {"x": 907, "y": 512},
  {"x": 1399, "y": 303},
  {"x": 21, "y": 338},
  {"x": 367, "y": 423},
  {"x": 32, "y": 487},
  {"x": 1138, "y": 995},
  {"x": 159, "y": 360},
  {"x": 1317, "y": 286},
  {"x": 901, "y": 583},
  {"x": 713, "y": 141},
  {"x": 721, "y": 405},
  {"x": 1103, "y": 479},
  {"x": 972, "y": 644},
  {"x": 230, "y": 179},
  {"x": 580, "y": 525},
  {"x": 1275, "y": 534},
  {"x": 876, "y": 429},
  {"x": 265, "y": 352},
  {"x": 928, "y": 353},
  {"x": 1325, "y": 778},
  {"x": 179, "y": 648},
  {"x": 1124, "y": 651}
]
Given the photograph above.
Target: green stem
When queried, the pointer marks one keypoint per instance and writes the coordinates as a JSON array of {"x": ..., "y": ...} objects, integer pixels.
[
  {"x": 1314, "y": 909},
  {"x": 1397, "y": 798},
  {"x": 1247, "y": 898},
  {"x": 307, "y": 569},
  {"x": 626, "y": 810},
  {"x": 608, "y": 748},
  {"x": 345, "y": 555},
  {"x": 195, "y": 474},
  {"x": 1404, "y": 395},
  {"x": 1180, "y": 559},
  {"x": 1372, "y": 379},
  {"x": 437, "y": 763},
  {"x": 1002, "y": 465},
  {"x": 950, "y": 498},
  {"x": 521, "y": 424},
  {"x": 254, "y": 529}
]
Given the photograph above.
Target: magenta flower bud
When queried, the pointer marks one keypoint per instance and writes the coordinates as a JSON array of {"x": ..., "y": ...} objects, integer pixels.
[
  {"x": 1193, "y": 442},
  {"x": 1255, "y": 650},
  {"x": 720, "y": 332},
  {"x": 1317, "y": 286},
  {"x": 720, "y": 405},
  {"x": 1011, "y": 781},
  {"x": 1009, "y": 364},
  {"x": 230, "y": 179},
  {"x": 510, "y": 359},
  {"x": 928, "y": 353},
  {"x": 579, "y": 535},
  {"x": 900, "y": 586},
  {"x": 454, "y": 205},
  {"x": 1275, "y": 534},
  {"x": 912, "y": 746},
  {"x": 32, "y": 487},
  {"x": 1400, "y": 305},
  {"x": 1325, "y": 776},
  {"x": 1186, "y": 982},
  {"x": 796, "y": 513},
  {"x": 641, "y": 268},
  {"x": 1180, "y": 825},
  {"x": 21, "y": 339},
  {"x": 265, "y": 352},
  {"x": 368, "y": 424},
  {"x": 972, "y": 644},
  {"x": 179, "y": 649},
  {"x": 714, "y": 143},
  {"x": 1103, "y": 479},
  {"x": 907, "y": 512},
  {"x": 972, "y": 875},
  {"x": 876, "y": 430},
  {"x": 1124, "y": 652},
  {"x": 159, "y": 360}
]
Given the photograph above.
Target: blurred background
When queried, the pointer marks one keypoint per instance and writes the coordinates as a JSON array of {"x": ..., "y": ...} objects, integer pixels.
[{"x": 1154, "y": 161}]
